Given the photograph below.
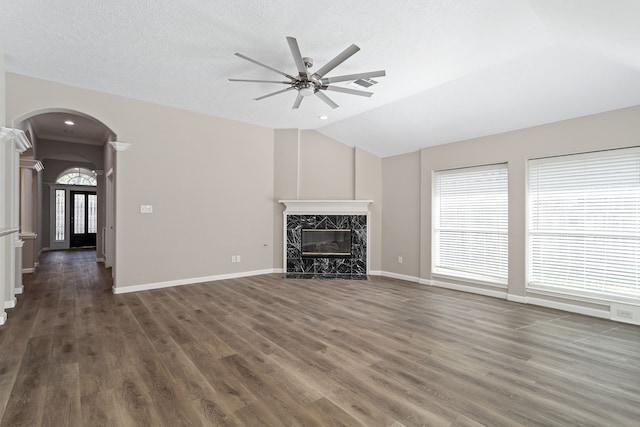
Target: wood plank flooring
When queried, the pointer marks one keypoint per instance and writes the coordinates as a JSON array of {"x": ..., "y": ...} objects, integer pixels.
[{"x": 264, "y": 351}]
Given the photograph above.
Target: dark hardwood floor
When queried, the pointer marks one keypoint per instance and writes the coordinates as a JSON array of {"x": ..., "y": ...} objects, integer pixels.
[{"x": 268, "y": 351}]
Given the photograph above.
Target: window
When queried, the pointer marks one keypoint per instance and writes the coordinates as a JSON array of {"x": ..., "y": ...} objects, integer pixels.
[
  {"x": 60, "y": 215},
  {"x": 471, "y": 223},
  {"x": 584, "y": 224},
  {"x": 77, "y": 176}
]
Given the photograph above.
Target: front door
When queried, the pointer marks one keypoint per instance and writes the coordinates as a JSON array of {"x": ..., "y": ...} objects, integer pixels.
[{"x": 84, "y": 218}]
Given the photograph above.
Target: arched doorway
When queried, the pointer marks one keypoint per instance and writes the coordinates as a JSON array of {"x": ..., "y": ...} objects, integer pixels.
[{"x": 64, "y": 139}]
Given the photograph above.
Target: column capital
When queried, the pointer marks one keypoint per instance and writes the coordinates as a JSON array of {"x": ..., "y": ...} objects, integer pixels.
[
  {"x": 36, "y": 165},
  {"x": 17, "y": 136},
  {"x": 119, "y": 145}
]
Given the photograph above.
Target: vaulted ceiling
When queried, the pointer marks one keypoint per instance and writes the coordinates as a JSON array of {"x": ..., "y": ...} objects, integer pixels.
[{"x": 455, "y": 69}]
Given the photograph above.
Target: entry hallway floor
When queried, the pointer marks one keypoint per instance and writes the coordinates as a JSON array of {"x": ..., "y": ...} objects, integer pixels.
[{"x": 270, "y": 351}]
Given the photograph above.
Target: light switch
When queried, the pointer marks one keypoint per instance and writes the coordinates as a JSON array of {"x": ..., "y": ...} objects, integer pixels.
[{"x": 146, "y": 209}]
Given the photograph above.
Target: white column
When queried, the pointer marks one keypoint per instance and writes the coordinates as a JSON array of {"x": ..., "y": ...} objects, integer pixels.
[
  {"x": 12, "y": 143},
  {"x": 29, "y": 170}
]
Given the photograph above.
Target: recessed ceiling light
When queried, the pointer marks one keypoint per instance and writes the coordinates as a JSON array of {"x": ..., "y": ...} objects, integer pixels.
[
  {"x": 69, "y": 123},
  {"x": 323, "y": 117}
]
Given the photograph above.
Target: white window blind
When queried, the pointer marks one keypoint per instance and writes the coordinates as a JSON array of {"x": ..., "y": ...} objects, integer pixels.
[
  {"x": 470, "y": 223},
  {"x": 584, "y": 224}
]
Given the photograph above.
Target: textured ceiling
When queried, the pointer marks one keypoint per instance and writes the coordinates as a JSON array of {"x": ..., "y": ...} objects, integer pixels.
[{"x": 455, "y": 69}]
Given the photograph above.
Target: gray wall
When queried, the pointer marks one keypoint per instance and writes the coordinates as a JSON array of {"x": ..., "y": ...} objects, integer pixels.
[
  {"x": 209, "y": 180},
  {"x": 404, "y": 174},
  {"x": 311, "y": 166}
]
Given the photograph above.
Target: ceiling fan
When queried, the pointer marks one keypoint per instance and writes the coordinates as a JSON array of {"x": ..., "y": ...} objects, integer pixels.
[{"x": 308, "y": 83}]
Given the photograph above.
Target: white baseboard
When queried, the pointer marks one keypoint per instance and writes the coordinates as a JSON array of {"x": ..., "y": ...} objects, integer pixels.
[
  {"x": 470, "y": 289},
  {"x": 19, "y": 290},
  {"x": 191, "y": 281},
  {"x": 28, "y": 270},
  {"x": 100, "y": 260},
  {"x": 603, "y": 314},
  {"x": 3, "y": 318},
  {"x": 518, "y": 298},
  {"x": 11, "y": 303},
  {"x": 572, "y": 308},
  {"x": 397, "y": 276}
]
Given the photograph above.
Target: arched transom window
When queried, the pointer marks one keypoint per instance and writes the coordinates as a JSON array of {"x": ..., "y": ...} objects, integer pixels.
[{"x": 77, "y": 176}]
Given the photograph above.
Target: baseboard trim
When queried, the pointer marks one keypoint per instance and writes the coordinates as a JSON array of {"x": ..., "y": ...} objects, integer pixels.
[
  {"x": 594, "y": 312},
  {"x": 3, "y": 318},
  {"x": 28, "y": 270},
  {"x": 191, "y": 281},
  {"x": 19, "y": 290},
  {"x": 468, "y": 289},
  {"x": 398, "y": 276},
  {"x": 572, "y": 308},
  {"x": 518, "y": 299},
  {"x": 11, "y": 303},
  {"x": 100, "y": 260}
]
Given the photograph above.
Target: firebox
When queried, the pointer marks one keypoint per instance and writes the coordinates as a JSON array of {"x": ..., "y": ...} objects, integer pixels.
[{"x": 326, "y": 243}]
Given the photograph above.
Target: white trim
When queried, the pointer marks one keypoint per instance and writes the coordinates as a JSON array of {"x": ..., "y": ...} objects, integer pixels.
[
  {"x": 28, "y": 270},
  {"x": 396, "y": 276},
  {"x": 326, "y": 207},
  {"x": 27, "y": 236},
  {"x": 469, "y": 289},
  {"x": 17, "y": 136},
  {"x": 517, "y": 298},
  {"x": 11, "y": 303},
  {"x": 31, "y": 164},
  {"x": 119, "y": 145},
  {"x": 603, "y": 314},
  {"x": 3, "y": 318},
  {"x": 572, "y": 308},
  {"x": 191, "y": 281},
  {"x": 7, "y": 231},
  {"x": 19, "y": 290},
  {"x": 100, "y": 260}
]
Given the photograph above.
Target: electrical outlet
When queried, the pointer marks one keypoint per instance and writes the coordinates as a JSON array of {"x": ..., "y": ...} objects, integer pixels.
[
  {"x": 400, "y": 260},
  {"x": 233, "y": 258},
  {"x": 237, "y": 258},
  {"x": 624, "y": 314}
]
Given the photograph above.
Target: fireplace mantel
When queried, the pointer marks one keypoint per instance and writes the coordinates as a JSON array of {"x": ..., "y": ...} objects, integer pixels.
[{"x": 326, "y": 207}]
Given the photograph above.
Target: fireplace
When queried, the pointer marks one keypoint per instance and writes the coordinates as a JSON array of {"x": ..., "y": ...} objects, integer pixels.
[
  {"x": 326, "y": 243},
  {"x": 326, "y": 239}
]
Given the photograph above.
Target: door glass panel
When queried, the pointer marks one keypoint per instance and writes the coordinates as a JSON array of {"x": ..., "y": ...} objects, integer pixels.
[
  {"x": 78, "y": 213},
  {"x": 92, "y": 214},
  {"x": 59, "y": 236}
]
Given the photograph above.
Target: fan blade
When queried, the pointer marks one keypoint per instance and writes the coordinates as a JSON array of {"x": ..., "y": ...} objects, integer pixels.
[
  {"x": 347, "y": 90},
  {"x": 326, "y": 99},
  {"x": 297, "y": 57},
  {"x": 258, "y": 81},
  {"x": 350, "y": 77},
  {"x": 343, "y": 56},
  {"x": 263, "y": 65},
  {"x": 273, "y": 93},
  {"x": 297, "y": 102}
]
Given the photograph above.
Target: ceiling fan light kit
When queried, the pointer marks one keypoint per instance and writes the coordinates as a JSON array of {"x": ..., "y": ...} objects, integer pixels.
[{"x": 307, "y": 83}]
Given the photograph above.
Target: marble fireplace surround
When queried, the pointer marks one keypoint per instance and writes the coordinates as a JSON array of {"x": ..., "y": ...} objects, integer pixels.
[{"x": 326, "y": 214}]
